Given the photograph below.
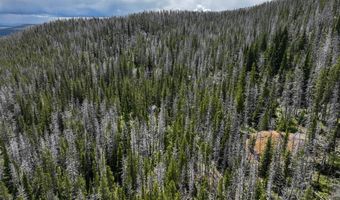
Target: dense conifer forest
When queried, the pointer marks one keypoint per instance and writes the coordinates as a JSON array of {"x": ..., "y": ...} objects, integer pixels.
[{"x": 241, "y": 104}]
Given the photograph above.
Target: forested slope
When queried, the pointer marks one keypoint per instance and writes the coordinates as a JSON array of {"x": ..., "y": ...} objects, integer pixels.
[{"x": 174, "y": 105}]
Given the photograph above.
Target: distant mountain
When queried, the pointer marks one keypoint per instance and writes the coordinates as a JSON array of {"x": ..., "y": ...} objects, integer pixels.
[{"x": 6, "y": 30}]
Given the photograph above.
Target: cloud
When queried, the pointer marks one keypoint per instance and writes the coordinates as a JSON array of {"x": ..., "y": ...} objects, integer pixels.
[
  {"x": 209, "y": 5},
  {"x": 37, "y": 11},
  {"x": 201, "y": 8}
]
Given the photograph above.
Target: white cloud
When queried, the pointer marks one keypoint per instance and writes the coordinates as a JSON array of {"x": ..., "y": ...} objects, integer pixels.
[
  {"x": 37, "y": 11},
  {"x": 201, "y": 8},
  {"x": 213, "y": 5}
]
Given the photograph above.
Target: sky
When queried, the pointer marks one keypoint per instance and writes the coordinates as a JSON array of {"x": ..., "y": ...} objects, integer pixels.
[{"x": 16, "y": 12}]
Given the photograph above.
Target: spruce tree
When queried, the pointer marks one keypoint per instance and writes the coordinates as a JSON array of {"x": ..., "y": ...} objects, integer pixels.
[{"x": 266, "y": 159}]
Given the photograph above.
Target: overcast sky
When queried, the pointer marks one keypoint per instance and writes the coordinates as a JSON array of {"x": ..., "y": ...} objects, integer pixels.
[{"x": 14, "y": 12}]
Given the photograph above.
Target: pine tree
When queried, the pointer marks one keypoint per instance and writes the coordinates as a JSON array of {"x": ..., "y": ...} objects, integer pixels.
[
  {"x": 4, "y": 193},
  {"x": 287, "y": 162},
  {"x": 27, "y": 186},
  {"x": 220, "y": 189},
  {"x": 264, "y": 123},
  {"x": 203, "y": 193},
  {"x": 7, "y": 172},
  {"x": 259, "y": 191},
  {"x": 308, "y": 194},
  {"x": 266, "y": 159},
  {"x": 63, "y": 185},
  {"x": 105, "y": 192},
  {"x": 240, "y": 91}
]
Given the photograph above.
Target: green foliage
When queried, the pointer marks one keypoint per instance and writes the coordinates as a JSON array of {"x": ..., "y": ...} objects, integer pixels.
[
  {"x": 260, "y": 192},
  {"x": 287, "y": 169},
  {"x": 264, "y": 123},
  {"x": 286, "y": 124},
  {"x": 203, "y": 194},
  {"x": 4, "y": 193},
  {"x": 171, "y": 191},
  {"x": 337, "y": 25},
  {"x": 220, "y": 189},
  {"x": 266, "y": 159},
  {"x": 240, "y": 90},
  {"x": 276, "y": 53},
  {"x": 309, "y": 194},
  {"x": 323, "y": 186},
  {"x": 64, "y": 185},
  {"x": 7, "y": 173}
]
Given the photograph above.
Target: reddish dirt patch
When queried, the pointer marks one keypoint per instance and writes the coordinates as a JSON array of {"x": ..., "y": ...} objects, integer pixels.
[{"x": 295, "y": 141}]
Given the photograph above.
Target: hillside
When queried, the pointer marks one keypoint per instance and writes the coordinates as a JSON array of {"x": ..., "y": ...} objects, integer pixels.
[{"x": 173, "y": 105}]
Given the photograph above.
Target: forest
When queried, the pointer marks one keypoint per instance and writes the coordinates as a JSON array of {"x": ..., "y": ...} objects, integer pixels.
[{"x": 241, "y": 104}]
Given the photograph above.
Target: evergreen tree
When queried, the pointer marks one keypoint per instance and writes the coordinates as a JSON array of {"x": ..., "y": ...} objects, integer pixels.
[
  {"x": 4, "y": 193},
  {"x": 266, "y": 159},
  {"x": 7, "y": 172}
]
